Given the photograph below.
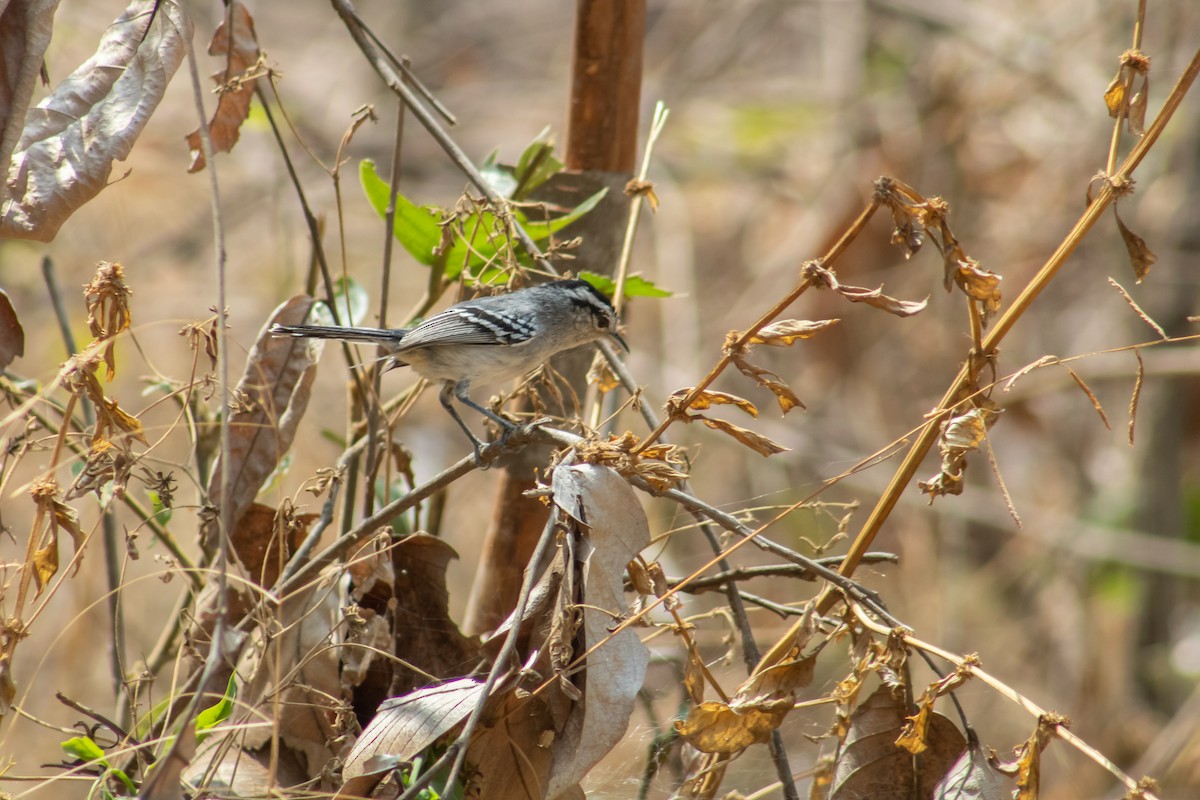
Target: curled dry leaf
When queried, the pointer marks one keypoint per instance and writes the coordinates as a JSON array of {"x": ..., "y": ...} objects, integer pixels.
[
  {"x": 977, "y": 283},
  {"x": 786, "y": 398},
  {"x": 877, "y": 299},
  {"x": 715, "y": 727},
  {"x": 71, "y": 139},
  {"x": 107, "y": 299},
  {"x": 707, "y": 399},
  {"x": 276, "y": 384},
  {"x": 960, "y": 435},
  {"x": 1141, "y": 258},
  {"x": 1128, "y": 93},
  {"x": 235, "y": 83},
  {"x": 913, "y": 737},
  {"x": 12, "y": 335},
  {"x": 1028, "y": 764},
  {"x": 755, "y": 441},
  {"x": 785, "y": 332},
  {"x": 58, "y": 515}
]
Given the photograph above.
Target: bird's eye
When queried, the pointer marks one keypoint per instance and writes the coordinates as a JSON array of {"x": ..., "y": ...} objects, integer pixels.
[{"x": 602, "y": 322}]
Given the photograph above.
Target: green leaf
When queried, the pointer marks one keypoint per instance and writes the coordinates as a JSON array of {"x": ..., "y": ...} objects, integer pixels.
[
  {"x": 351, "y": 300},
  {"x": 635, "y": 285},
  {"x": 540, "y": 230},
  {"x": 152, "y": 717},
  {"x": 536, "y": 165},
  {"x": 83, "y": 748},
  {"x": 217, "y": 713},
  {"x": 161, "y": 511},
  {"x": 415, "y": 228},
  {"x": 120, "y": 775}
]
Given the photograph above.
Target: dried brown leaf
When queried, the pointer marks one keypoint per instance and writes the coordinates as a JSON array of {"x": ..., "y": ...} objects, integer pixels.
[
  {"x": 107, "y": 299},
  {"x": 877, "y": 299},
  {"x": 786, "y": 331},
  {"x": 235, "y": 84},
  {"x": 70, "y": 140},
  {"x": 709, "y": 398},
  {"x": 264, "y": 538},
  {"x": 755, "y": 441},
  {"x": 276, "y": 384},
  {"x": 12, "y": 335},
  {"x": 714, "y": 727},
  {"x": 978, "y": 283},
  {"x": 769, "y": 380},
  {"x": 1114, "y": 95},
  {"x": 1029, "y": 756},
  {"x": 913, "y": 737},
  {"x": 870, "y": 764},
  {"x": 1140, "y": 256}
]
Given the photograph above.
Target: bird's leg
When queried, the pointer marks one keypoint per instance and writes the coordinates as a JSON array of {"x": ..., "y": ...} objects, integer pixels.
[
  {"x": 460, "y": 391},
  {"x": 445, "y": 395}
]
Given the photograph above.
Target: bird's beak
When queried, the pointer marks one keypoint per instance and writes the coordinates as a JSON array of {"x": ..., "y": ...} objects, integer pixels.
[{"x": 620, "y": 340}]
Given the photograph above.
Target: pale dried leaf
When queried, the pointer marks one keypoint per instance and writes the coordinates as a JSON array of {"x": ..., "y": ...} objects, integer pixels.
[
  {"x": 760, "y": 444},
  {"x": 71, "y": 139},
  {"x": 966, "y": 431},
  {"x": 276, "y": 384},
  {"x": 25, "y": 30},
  {"x": 877, "y": 299},
  {"x": 404, "y": 726},
  {"x": 240, "y": 45},
  {"x": 973, "y": 778},
  {"x": 12, "y": 335},
  {"x": 786, "y": 331},
  {"x": 615, "y": 531}
]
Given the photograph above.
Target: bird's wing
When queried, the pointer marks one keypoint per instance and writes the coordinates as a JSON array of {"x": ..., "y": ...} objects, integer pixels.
[{"x": 469, "y": 324}]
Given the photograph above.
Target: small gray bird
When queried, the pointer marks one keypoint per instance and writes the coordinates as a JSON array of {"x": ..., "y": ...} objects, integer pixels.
[{"x": 488, "y": 339}]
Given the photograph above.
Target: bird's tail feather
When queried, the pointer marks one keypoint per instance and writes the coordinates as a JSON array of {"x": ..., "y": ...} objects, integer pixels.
[{"x": 376, "y": 335}]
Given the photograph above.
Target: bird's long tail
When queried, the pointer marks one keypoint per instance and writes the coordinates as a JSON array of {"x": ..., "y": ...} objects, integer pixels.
[{"x": 386, "y": 336}]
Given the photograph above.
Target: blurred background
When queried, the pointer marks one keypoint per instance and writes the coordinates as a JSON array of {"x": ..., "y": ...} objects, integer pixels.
[{"x": 782, "y": 115}]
